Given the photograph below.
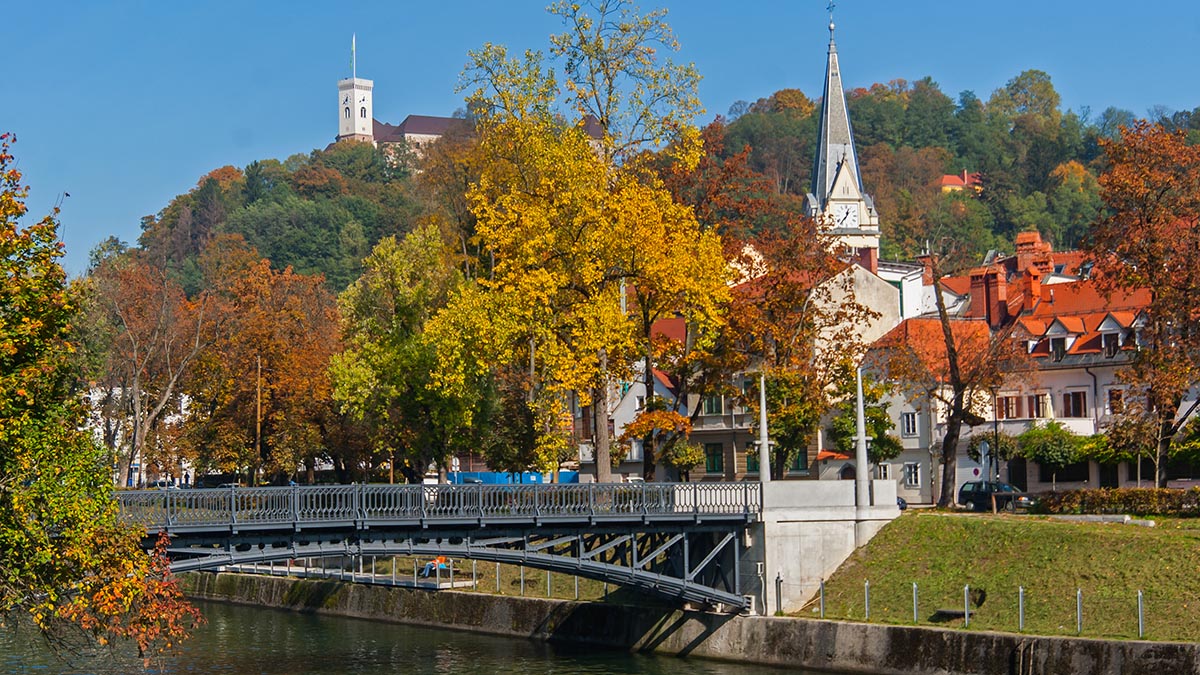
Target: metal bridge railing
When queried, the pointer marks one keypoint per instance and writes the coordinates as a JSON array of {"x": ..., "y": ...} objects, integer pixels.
[{"x": 340, "y": 504}]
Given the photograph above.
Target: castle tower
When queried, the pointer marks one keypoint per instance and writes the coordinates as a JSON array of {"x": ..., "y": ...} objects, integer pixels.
[
  {"x": 355, "y": 112},
  {"x": 837, "y": 193}
]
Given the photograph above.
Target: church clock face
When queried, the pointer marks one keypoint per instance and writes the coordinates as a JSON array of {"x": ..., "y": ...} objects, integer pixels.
[{"x": 845, "y": 215}]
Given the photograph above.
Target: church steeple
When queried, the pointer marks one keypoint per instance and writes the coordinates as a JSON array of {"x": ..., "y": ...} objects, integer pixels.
[
  {"x": 837, "y": 196},
  {"x": 835, "y": 140}
]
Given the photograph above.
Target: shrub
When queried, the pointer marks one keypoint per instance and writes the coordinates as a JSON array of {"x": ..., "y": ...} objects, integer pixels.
[{"x": 1132, "y": 501}]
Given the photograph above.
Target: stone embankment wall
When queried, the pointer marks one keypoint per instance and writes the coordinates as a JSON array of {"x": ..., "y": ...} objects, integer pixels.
[{"x": 819, "y": 645}]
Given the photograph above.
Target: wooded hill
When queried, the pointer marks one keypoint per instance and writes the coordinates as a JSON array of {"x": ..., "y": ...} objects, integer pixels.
[{"x": 322, "y": 213}]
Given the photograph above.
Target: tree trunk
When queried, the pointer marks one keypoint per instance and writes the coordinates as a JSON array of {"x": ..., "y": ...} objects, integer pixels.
[{"x": 949, "y": 461}]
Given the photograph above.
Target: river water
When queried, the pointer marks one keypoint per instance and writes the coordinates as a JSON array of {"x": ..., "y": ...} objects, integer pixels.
[{"x": 256, "y": 641}]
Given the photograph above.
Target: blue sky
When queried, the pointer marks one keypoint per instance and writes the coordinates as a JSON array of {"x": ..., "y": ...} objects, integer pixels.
[{"x": 125, "y": 104}]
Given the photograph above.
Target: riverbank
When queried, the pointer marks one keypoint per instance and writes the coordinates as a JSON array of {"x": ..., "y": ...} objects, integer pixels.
[{"x": 818, "y": 645}]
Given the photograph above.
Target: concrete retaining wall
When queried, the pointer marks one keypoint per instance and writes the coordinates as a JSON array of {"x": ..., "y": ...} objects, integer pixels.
[{"x": 818, "y": 645}]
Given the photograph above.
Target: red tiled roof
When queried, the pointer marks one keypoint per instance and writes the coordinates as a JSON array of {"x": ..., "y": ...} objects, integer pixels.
[
  {"x": 674, "y": 329},
  {"x": 957, "y": 285},
  {"x": 830, "y": 454}
]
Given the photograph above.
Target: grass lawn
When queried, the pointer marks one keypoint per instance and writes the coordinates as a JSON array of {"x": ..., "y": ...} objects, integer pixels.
[{"x": 943, "y": 552}]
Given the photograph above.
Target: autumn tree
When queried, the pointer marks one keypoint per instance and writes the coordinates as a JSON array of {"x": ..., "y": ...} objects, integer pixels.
[
  {"x": 576, "y": 234},
  {"x": 260, "y": 397},
  {"x": 950, "y": 365},
  {"x": 65, "y": 559},
  {"x": 157, "y": 335},
  {"x": 1149, "y": 241}
]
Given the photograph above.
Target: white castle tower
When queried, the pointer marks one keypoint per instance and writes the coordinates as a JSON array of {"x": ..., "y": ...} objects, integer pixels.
[{"x": 355, "y": 112}]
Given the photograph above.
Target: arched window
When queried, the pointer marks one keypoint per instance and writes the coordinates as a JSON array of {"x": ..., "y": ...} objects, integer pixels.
[
  {"x": 347, "y": 112},
  {"x": 362, "y": 112}
]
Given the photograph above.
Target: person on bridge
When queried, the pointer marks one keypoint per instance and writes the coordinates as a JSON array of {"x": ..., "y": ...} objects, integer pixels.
[{"x": 439, "y": 563}]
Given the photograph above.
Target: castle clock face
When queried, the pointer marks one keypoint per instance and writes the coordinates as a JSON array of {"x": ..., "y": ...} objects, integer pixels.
[{"x": 845, "y": 215}]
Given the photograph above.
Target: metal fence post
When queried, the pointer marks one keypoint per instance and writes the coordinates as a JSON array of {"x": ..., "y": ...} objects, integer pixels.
[
  {"x": 549, "y": 592},
  {"x": 1141, "y": 617},
  {"x": 576, "y": 588},
  {"x": 414, "y": 572},
  {"x": 498, "y": 591},
  {"x": 522, "y": 581},
  {"x": 474, "y": 575},
  {"x": 1079, "y": 611},
  {"x": 393, "y": 570},
  {"x": 915, "y": 619},
  {"x": 967, "y": 606},
  {"x": 1021, "y": 609},
  {"x": 822, "y": 598},
  {"x": 867, "y": 598}
]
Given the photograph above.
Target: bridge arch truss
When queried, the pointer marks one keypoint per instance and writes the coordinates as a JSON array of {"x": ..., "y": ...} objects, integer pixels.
[{"x": 678, "y": 541}]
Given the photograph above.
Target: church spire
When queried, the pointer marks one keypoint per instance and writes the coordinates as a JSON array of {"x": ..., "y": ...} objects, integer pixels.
[{"x": 835, "y": 140}]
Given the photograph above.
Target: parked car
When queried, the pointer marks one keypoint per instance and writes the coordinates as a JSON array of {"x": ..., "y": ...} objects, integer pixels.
[{"x": 978, "y": 496}]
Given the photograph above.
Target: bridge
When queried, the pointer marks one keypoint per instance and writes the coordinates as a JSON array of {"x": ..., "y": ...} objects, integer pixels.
[{"x": 680, "y": 541}]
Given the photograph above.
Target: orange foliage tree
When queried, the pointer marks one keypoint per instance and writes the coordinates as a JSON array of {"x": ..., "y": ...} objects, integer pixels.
[
  {"x": 1149, "y": 240},
  {"x": 261, "y": 396}
]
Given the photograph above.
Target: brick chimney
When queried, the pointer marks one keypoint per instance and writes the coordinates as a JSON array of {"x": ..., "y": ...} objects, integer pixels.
[
  {"x": 1033, "y": 288},
  {"x": 926, "y": 261},
  {"x": 868, "y": 258}
]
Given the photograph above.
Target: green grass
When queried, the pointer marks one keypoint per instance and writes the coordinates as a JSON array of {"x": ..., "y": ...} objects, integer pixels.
[{"x": 943, "y": 552}]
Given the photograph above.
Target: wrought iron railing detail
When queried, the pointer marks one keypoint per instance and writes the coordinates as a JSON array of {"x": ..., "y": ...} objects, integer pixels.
[{"x": 238, "y": 507}]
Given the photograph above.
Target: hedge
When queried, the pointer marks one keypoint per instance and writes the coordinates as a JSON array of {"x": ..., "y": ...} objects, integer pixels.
[{"x": 1131, "y": 501}]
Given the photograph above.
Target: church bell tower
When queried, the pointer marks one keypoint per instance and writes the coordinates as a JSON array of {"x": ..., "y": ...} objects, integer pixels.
[
  {"x": 355, "y": 113},
  {"x": 837, "y": 195}
]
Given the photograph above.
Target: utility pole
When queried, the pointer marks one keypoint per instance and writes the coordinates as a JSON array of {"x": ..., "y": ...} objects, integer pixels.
[{"x": 257, "y": 418}]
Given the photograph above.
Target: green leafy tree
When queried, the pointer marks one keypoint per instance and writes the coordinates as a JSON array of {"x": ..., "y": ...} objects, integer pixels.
[
  {"x": 385, "y": 375},
  {"x": 843, "y": 429},
  {"x": 1051, "y": 445}
]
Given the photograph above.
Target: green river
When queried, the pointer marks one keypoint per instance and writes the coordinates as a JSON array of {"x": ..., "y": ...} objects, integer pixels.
[{"x": 256, "y": 641}]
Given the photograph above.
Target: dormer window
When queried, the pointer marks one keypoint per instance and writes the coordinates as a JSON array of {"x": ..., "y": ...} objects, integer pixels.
[
  {"x": 1112, "y": 344},
  {"x": 1058, "y": 348}
]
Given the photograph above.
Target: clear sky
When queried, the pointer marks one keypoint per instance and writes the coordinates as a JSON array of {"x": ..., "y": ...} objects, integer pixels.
[{"x": 125, "y": 104}]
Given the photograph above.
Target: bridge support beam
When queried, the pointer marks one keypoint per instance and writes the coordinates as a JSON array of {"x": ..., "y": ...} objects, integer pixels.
[{"x": 808, "y": 529}]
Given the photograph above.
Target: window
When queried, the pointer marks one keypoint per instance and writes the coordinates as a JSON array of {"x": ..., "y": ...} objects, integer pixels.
[
  {"x": 912, "y": 475},
  {"x": 1010, "y": 407},
  {"x": 714, "y": 458},
  {"x": 362, "y": 112},
  {"x": 585, "y": 423},
  {"x": 1037, "y": 405},
  {"x": 347, "y": 112},
  {"x": 1075, "y": 404},
  {"x": 908, "y": 424},
  {"x": 752, "y": 457},
  {"x": 800, "y": 463},
  {"x": 883, "y": 471},
  {"x": 1112, "y": 344},
  {"x": 713, "y": 405},
  {"x": 1058, "y": 348},
  {"x": 1116, "y": 401}
]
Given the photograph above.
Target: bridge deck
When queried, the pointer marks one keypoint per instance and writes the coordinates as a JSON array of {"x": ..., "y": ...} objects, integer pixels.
[{"x": 367, "y": 506}]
